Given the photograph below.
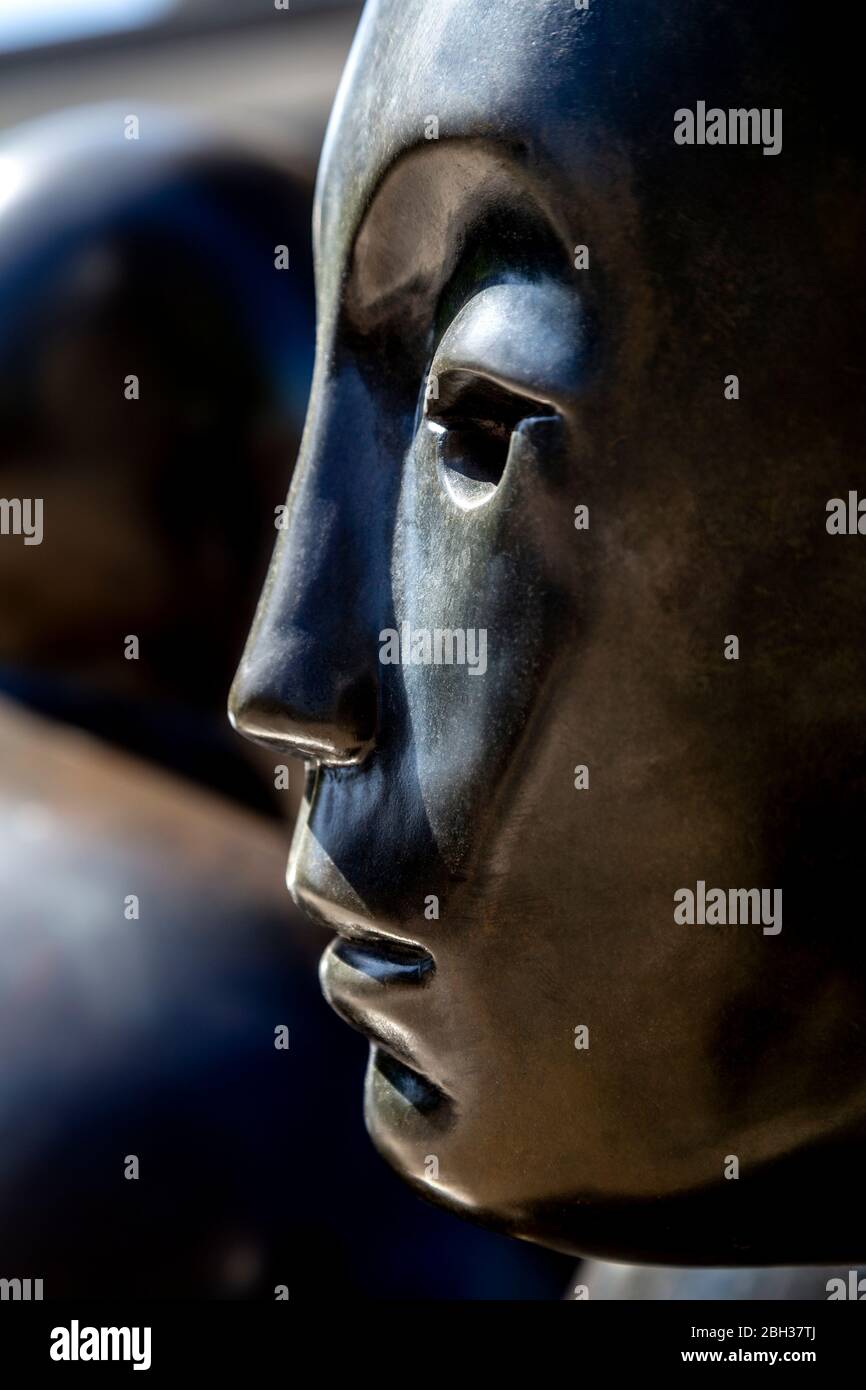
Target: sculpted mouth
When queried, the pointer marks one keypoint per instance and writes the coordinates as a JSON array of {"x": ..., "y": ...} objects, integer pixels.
[
  {"x": 384, "y": 963},
  {"x": 372, "y": 979},
  {"x": 393, "y": 1061}
]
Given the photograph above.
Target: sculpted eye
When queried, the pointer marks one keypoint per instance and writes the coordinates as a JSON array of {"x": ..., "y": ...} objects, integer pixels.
[{"x": 474, "y": 419}]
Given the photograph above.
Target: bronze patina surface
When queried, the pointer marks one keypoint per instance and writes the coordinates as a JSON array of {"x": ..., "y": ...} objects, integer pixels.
[{"x": 588, "y": 389}]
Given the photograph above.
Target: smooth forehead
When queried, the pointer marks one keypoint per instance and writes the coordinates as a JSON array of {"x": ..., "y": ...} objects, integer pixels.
[
  {"x": 575, "y": 91},
  {"x": 490, "y": 70},
  {"x": 575, "y": 108}
]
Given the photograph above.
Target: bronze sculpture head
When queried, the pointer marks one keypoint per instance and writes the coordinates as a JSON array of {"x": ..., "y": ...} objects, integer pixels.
[{"x": 560, "y": 627}]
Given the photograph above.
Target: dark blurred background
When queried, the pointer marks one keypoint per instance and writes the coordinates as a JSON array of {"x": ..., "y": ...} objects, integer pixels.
[{"x": 148, "y": 949}]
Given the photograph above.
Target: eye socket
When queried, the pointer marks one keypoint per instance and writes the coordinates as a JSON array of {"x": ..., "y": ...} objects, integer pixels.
[{"x": 474, "y": 419}]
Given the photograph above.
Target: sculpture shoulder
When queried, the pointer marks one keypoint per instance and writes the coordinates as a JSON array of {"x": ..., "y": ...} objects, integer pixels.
[{"x": 656, "y": 1283}]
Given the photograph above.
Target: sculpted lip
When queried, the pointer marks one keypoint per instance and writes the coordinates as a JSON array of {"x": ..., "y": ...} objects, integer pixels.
[
  {"x": 387, "y": 962},
  {"x": 392, "y": 1062},
  {"x": 385, "y": 959},
  {"x": 412, "y": 1085}
]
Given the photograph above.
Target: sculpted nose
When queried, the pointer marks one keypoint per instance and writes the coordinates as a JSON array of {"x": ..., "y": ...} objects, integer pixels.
[
  {"x": 292, "y": 694},
  {"x": 307, "y": 683}
]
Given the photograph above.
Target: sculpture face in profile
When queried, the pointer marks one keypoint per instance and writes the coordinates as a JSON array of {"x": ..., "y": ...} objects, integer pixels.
[{"x": 583, "y": 393}]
